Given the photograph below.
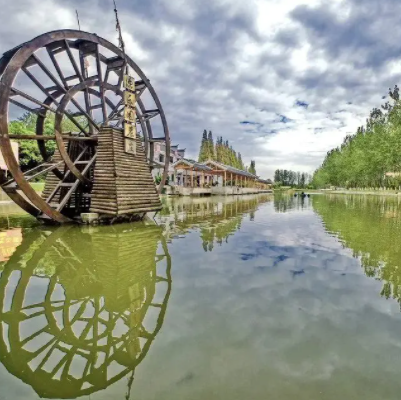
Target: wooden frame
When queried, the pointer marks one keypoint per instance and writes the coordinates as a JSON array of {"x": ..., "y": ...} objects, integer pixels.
[{"x": 59, "y": 96}]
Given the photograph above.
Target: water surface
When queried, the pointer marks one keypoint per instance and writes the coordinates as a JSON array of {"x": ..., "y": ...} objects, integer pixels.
[{"x": 245, "y": 297}]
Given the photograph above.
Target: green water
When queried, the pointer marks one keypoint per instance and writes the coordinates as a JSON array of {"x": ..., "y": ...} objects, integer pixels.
[{"x": 250, "y": 297}]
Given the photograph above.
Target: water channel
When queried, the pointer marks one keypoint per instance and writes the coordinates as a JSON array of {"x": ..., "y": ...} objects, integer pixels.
[{"x": 248, "y": 297}]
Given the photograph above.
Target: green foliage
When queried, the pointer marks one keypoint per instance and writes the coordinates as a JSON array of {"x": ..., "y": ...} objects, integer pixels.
[
  {"x": 363, "y": 159},
  {"x": 370, "y": 226},
  {"x": 221, "y": 151},
  {"x": 29, "y": 153},
  {"x": 283, "y": 177},
  {"x": 252, "y": 168},
  {"x": 203, "y": 152},
  {"x": 158, "y": 179}
]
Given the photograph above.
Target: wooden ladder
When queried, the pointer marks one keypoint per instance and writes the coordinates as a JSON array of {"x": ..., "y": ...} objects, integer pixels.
[
  {"x": 11, "y": 186},
  {"x": 72, "y": 186}
]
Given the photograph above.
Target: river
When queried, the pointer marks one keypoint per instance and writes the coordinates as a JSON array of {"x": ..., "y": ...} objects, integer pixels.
[{"x": 249, "y": 297}]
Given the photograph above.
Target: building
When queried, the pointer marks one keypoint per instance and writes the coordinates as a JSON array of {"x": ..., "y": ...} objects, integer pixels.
[
  {"x": 159, "y": 159},
  {"x": 15, "y": 147},
  {"x": 215, "y": 178}
]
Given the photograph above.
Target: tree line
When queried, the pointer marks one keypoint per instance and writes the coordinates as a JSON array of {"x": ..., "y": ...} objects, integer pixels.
[
  {"x": 222, "y": 152},
  {"x": 371, "y": 157},
  {"x": 284, "y": 177}
]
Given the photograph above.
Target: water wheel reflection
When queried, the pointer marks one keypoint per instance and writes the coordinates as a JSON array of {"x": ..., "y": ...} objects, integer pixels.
[{"x": 78, "y": 310}]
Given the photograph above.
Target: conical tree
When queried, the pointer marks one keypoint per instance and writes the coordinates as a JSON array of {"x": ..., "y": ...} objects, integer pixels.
[
  {"x": 210, "y": 144},
  {"x": 252, "y": 168},
  {"x": 240, "y": 163},
  {"x": 203, "y": 152}
]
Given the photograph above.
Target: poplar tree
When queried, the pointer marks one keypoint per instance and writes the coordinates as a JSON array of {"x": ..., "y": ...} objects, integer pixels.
[
  {"x": 252, "y": 168},
  {"x": 203, "y": 152},
  {"x": 240, "y": 163},
  {"x": 210, "y": 146}
]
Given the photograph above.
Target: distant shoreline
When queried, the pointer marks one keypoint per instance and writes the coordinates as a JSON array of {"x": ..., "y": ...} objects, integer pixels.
[
  {"x": 370, "y": 193},
  {"x": 364, "y": 192}
]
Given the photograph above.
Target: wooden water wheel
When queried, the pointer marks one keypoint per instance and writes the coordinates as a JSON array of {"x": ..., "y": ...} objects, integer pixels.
[
  {"x": 76, "y": 317},
  {"x": 78, "y": 77}
]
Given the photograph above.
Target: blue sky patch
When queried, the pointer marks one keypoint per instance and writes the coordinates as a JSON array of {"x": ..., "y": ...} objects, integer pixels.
[{"x": 301, "y": 103}]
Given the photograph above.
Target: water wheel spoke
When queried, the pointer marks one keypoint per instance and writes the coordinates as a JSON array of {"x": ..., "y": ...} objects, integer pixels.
[
  {"x": 114, "y": 110},
  {"x": 101, "y": 87},
  {"x": 37, "y": 111},
  {"x": 16, "y": 92},
  {"x": 39, "y": 85},
  {"x": 35, "y": 353},
  {"x": 80, "y": 74},
  {"x": 29, "y": 338},
  {"x": 62, "y": 89},
  {"x": 57, "y": 67}
]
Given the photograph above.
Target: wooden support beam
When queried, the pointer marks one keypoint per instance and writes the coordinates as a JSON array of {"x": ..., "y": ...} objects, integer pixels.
[{"x": 52, "y": 137}]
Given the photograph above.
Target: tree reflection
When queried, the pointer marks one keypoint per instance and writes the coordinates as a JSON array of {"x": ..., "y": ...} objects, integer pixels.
[
  {"x": 73, "y": 301},
  {"x": 371, "y": 227},
  {"x": 283, "y": 202},
  {"x": 73, "y": 304},
  {"x": 216, "y": 220}
]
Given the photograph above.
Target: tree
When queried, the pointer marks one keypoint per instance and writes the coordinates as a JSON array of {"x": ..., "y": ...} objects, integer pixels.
[
  {"x": 210, "y": 146},
  {"x": 29, "y": 154},
  {"x": 252, "y": 168},
  {"x": 203, "y": 152},
  {"x": 277, "y": 176},
  {"x": 365, "y": 158},
  {"x": 220, "y": 151}
]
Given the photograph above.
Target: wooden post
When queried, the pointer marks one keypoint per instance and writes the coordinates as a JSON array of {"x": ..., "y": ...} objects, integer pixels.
[
  {"x": 225, "y": 178},
  {"x": 192, "y": 178},
  {"x": 203, "y": 178},
  {"x": 231, "y": 179}
]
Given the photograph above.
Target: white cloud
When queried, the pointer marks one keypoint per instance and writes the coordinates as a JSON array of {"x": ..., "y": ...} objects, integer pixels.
[{"x": 216, "y": 64}]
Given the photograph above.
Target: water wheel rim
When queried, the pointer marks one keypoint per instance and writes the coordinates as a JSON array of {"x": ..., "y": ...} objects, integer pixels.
[{"x": 11, "y": 64}]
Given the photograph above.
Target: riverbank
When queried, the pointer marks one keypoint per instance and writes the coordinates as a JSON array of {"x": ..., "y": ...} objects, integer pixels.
[
  {"x": 377, "y": 192},
  {"x": 4, "y": 199},
  {"x": 364, "y": 192}
]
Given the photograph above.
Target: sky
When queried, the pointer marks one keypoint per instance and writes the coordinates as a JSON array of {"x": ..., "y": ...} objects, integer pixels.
[{"x": 284, "y": 81}]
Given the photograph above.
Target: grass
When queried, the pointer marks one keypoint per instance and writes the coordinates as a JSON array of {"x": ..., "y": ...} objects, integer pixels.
[{"x": 38, "y": 186}]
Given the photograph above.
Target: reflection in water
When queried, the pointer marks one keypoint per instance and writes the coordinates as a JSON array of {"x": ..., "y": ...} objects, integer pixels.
[
  {"x": 73, "y": 305},
  {"x": 371, "y": 227},
  {"x": 217, "y": 219},
  {"x": 73, "y": 301},
  {"x": 10, "y": 239},
  {"x": 284, "y": 202}
]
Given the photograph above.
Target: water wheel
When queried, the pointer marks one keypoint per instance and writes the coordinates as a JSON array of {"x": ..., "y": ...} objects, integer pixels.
[
  {"x": 72, "y": 76},
  {"x": 76, "y": 318}
]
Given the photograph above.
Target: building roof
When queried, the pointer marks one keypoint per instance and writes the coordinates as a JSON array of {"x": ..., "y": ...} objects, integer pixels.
[
  {"x": 266, "y": 181},
  {"x": 194, "y": 164},
  {"x": 230, "y": 169}
]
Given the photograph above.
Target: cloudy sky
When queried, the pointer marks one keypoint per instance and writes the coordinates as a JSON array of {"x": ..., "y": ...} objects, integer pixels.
[{"x": 284, "y": 81}]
